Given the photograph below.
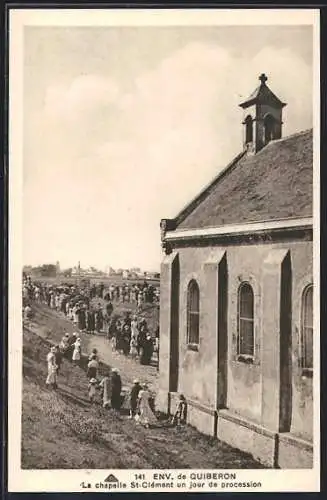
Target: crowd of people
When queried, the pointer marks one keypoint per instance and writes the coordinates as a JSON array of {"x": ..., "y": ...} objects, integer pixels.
[
  {"x": 138, "y": 293},
  {"x": 128, "y": 335},
  {"x": 105, "y": 390}
]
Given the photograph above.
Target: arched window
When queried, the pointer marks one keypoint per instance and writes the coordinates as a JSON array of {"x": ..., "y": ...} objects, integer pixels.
[
  {"x": 248, "y": 129},
  {"x": 269, "y": 124},
  {"x": 193, "y": 312},
  {"x": 245, "y": 344},
  {"x": 307, "y": 329}
]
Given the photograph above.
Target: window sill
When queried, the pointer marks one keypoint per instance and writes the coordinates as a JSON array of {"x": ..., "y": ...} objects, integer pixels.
[
  {"x": 242, "y": 358},
  {"x": 193, "y": 347}
]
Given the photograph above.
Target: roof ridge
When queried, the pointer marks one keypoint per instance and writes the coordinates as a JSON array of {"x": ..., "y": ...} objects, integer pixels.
[{"x": 302, "y": 132}]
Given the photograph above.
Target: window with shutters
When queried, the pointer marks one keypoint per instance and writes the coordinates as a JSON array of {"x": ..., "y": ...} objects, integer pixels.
[
  {"x": 245, "y": 341},
  {"x": 193, "y": 313},
  {"x": 307, "y": 330}
]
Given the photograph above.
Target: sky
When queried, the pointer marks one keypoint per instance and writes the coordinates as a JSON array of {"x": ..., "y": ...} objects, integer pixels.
[{"x": 124, "y": 126}]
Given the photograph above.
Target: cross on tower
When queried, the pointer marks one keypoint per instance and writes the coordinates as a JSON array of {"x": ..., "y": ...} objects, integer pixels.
[{"x": 263, "y": 78}]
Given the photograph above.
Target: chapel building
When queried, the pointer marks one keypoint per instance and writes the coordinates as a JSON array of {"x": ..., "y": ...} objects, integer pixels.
[{"x": 236, "y": 311}]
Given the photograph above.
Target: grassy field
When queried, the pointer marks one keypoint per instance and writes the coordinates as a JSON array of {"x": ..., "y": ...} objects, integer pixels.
[{"x": 62, "y": 430}]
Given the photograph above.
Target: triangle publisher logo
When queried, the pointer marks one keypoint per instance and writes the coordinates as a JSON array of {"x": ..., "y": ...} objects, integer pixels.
[{"x": 111, "y": 479}]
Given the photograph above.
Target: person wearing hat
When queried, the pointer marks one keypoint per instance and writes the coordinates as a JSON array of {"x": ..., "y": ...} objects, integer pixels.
[
  {"x": 146, "y": 417},
  {"x": 134, "y": 398},
  {"x": 77, "y": 351},
  {"x": 52, "y": 369},
  {"x": 115, "y": 389},
  {"x": 147, "y": 350},
  {"x": 93, "y": 384}
]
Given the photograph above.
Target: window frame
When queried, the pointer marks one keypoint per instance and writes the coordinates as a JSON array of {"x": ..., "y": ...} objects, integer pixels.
[
  {"x": 306, "y": 370},
  {"x": 245, "y": 358},
  {"x": 194, "y": 346}
]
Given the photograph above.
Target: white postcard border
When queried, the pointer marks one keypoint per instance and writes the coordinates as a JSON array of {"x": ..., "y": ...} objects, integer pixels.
[{"x": 71, "y": 480}]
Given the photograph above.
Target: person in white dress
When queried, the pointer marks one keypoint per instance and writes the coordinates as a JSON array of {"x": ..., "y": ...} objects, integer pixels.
[
  {"x": 77, "y": 351},
  {"x": 133, "y": 348},
  {"x": 134, "y": 328},
  {"x": 75, "y": 315},
  {"x": 146, "y": 416},
  {"x": 52, "y": 369}
]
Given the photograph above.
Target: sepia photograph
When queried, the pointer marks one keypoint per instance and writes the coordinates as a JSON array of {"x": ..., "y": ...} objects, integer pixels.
[{"x": 164, "y": 229}]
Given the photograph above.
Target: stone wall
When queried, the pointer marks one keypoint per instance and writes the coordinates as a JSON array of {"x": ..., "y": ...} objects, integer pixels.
[{"x": 247, "y": 394}]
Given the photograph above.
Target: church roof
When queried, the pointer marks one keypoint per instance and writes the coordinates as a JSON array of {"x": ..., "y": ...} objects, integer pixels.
[
  {"x": 276, "y": 183},
  {"x": 262, "y": 95}
]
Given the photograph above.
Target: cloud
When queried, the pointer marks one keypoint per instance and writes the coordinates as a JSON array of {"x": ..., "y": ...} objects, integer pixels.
[
  {"x": 84, "y": 94},
  {"x": 130, "y": 157}
]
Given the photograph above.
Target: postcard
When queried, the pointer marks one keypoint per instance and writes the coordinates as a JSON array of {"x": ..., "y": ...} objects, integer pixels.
[{"x": 163, "y": 326}]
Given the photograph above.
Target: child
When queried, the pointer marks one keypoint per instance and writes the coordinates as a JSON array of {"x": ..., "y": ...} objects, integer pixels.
[
  {"x": 181, "y": 412},
  {"x": 134, "y": 398},
  {"x": 92, "y": 389}
]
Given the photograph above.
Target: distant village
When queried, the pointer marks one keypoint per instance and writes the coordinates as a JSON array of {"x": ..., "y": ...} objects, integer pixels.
[{"x": 54, "y": 270}]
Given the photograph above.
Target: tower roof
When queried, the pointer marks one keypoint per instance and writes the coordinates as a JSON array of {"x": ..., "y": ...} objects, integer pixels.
[{"x": 262, "y": 95}]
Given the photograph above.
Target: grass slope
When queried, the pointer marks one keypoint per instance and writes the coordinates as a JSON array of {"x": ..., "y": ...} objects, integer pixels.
[{"x": 61, "y": 430}]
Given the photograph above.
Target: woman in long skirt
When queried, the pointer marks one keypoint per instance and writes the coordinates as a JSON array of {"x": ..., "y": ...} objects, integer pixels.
[
  {"x": 146, "y": 417},
  {"x": 77, "y": 351},
  {"x": 105, "y": 385},
  {"x": 99, "y": 321},
  {"x": 133, "y": 348},
  {"x": 81, "y": 319},
  {"x": 115, "y": 389},
  {"x": 52, "y": 369}
]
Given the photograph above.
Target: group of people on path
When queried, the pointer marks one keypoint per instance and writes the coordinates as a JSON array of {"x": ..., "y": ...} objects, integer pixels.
[
  {"x": 107, "y": 387},
  {"x": 128, "y": 292},
  {"x": 139, "y": 399},
  {"x": 130, "y": 335},
  {"x": 69, "y": 347},
  {"x": 57, "y": 296}
]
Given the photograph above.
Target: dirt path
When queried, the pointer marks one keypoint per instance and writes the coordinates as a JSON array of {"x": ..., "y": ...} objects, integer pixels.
[
  {"x": 61, "y": 429},
  {"x": 52, "y": 325}
]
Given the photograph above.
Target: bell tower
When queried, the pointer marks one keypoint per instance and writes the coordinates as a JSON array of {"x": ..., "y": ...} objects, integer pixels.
[{"x": 262, "y": 117}]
